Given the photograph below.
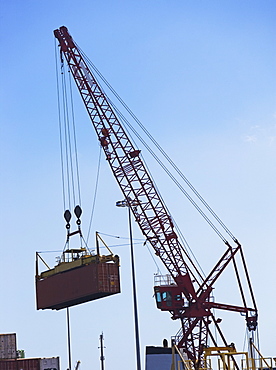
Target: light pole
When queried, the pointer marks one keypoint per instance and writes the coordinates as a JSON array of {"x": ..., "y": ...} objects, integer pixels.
[
  {"x": 126, "y": 203},
  {"x": 102, "y": 352}
]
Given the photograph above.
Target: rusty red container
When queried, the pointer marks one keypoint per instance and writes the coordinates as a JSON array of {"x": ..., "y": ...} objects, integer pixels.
[
  {"x": 20, "y": 364},
  {"x": 77, "y": 285}
]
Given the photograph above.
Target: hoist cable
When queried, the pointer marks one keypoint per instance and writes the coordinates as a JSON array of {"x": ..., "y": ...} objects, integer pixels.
[
  {"x": 66, "y": 134},
  {"x": 160, "y": 149},
  {"x": 75, "y": 140},
  {"x": 60, "y": 130},
  {"x": 95, "y": 195},
  {"x": 69, "y": 143}
]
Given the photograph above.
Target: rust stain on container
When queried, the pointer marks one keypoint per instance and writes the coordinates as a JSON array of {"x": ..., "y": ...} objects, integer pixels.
[{"x": 77, "y": 285}]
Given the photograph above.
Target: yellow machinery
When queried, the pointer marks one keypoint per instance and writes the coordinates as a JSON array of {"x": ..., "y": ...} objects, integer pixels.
[{"x": 225, "y": 358}]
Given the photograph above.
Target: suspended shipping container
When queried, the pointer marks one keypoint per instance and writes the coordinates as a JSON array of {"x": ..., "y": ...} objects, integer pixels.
[{"x": 83, "y": 278}]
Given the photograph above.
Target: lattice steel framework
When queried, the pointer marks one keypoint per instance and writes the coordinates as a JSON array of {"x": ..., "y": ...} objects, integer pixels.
[{"x": 150, "y": 212}]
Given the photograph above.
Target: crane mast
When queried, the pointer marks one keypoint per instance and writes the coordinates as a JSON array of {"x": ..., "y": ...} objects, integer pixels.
[{"x": 188, "y": 298}]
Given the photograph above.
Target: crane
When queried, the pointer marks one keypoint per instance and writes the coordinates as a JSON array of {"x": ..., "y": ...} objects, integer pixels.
[{"x": 188, "y": 294}]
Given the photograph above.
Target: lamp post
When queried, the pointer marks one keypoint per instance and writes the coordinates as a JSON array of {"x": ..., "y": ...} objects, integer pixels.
[
  {"x": 127, "y": 203},
  {"x": 102, "y": 352}
]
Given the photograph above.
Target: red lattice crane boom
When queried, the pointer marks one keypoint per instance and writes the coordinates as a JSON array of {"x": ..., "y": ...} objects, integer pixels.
[{"x": 188, "y": 298}]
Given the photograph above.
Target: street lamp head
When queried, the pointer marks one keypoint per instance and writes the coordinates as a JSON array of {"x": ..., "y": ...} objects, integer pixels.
[{"x": 121, "y": 203}]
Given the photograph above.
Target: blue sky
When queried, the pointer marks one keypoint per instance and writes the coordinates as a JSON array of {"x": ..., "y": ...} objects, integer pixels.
[{"x": 200, "y": 75}]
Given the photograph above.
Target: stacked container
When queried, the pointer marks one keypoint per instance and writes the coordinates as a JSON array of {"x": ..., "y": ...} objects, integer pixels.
[
  {"x": 9, "y": 359},
  {"x": 7, "y": 346},
  {"x": 30, "y": 364}
]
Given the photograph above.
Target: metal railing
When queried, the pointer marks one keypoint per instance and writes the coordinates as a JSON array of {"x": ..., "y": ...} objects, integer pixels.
[{"x": 163, "y": 280}]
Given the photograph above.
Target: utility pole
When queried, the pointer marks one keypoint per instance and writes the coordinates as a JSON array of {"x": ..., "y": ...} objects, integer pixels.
[
  {"x": 68, "y": 339},
  {"x": 102, "y": 352}
]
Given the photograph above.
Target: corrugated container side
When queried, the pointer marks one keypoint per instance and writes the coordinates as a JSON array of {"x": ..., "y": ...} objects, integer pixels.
[
  {"x": 20, "y": 364},
  {"x": 7, "y": 364},
  {"x": 8, "y": 346},
  {"x": 28, "y": 364},
  {"x": 79, "y": 285}
]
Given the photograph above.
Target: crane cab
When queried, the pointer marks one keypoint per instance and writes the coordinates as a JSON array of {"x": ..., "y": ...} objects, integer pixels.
[
  {"x": 168, "y": 295},
  {"x": 168, "y": 298}
]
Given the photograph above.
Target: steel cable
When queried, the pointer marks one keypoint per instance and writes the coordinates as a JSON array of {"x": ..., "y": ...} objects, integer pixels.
[
  {"x": 75, "y": 140},
  {"x": 71, "y": 188},
  {"x": 60, "y": 130},
  {"x": 164, "y": 154}
]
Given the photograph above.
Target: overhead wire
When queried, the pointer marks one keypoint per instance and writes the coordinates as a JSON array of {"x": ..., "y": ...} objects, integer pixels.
[
  {"x": 119, "y": 237},
  {"x": 139, "y": 239},
  {"x": 122, "y": 245}
]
